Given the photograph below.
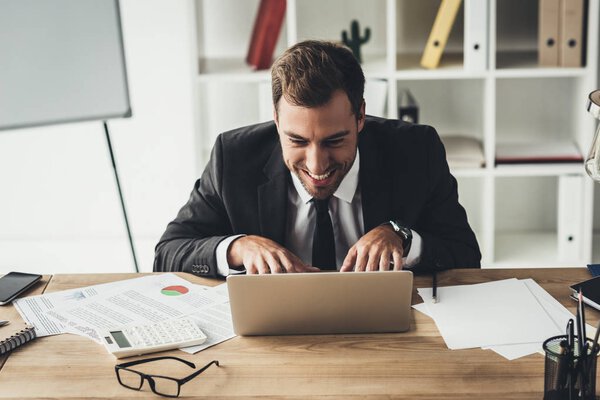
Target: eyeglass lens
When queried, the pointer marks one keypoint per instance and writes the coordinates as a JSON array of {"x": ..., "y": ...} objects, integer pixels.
[
  {"x": 160, "y": 385},
  {"x": 131, "y": 379},
  {"x": 165, "y": 386}
]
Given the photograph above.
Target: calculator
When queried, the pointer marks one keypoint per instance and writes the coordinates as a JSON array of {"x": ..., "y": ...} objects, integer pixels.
[{"x": 150, "y": 338}]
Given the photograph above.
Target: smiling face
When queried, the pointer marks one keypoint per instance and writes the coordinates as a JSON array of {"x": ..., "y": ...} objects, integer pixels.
[{"x": 319, "y": 143}]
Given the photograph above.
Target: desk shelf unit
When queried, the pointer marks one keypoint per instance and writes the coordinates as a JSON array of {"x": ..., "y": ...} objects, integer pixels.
[{"x": 524, "y": 215}]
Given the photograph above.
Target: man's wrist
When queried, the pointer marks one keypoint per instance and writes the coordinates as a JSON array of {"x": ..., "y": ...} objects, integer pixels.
[
  {"x": 223, "y": 248},
  {"x": 403, "y": 232}
]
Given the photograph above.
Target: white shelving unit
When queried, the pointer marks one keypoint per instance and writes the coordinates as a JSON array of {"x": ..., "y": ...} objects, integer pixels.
[{"x": 523, "y": 215}]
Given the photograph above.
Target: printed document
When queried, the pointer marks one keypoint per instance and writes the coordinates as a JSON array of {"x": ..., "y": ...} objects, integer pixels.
[
  {"x": 143, "y": 300},
  {"x": 215, "y": 321},
  {"x": 33, "y": 308},
  {"x": 84, "y": 311}
]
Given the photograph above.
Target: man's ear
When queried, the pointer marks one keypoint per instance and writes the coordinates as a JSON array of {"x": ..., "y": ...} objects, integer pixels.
[{"x": 361, "y": 116}]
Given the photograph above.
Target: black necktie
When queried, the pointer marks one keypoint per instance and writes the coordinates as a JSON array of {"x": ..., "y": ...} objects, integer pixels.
[{"x": 323, "y": 251}]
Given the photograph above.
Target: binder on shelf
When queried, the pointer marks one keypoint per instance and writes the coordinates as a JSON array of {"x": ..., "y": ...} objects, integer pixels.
[
  {"x": 475, "y": 37},
  {"x": 14, "y": 338},
  {"x": 571, "y": 33},
  {"x": 548, "y": 33},
  {"x": 544, "y": 152},
  {"x": 265, "y": 33},
  {"x": 570, "y": 217},
  {"x": 408, "y": 109},
  {"x": 438, "y": 37}
]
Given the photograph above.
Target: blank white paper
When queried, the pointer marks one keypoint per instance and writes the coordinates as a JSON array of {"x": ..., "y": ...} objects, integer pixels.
[{"x": 487, "y": 314}]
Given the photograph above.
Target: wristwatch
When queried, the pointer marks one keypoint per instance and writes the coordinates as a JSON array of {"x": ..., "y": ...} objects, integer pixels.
[{"x": 404, "y": 233}]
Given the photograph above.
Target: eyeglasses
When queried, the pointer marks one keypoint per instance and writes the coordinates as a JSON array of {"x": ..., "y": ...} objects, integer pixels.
[{"x": 161, "y": 385}]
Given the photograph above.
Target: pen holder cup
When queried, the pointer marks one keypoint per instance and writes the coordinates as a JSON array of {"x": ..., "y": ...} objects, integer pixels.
[{"x": 567, "y": 375}]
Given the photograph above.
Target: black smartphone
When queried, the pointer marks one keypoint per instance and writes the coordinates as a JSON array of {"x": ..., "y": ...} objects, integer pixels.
[{"x": 15, "y": 283}]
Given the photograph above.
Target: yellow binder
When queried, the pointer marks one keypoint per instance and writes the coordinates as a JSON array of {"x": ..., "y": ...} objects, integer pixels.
[
  {"x": 439, "y": 33},
  {"x": 571, "y": 31},
  {"x": 548, "y": 33}
]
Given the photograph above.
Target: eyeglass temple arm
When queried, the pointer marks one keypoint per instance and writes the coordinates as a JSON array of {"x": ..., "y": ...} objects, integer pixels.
[
  {"x": 129, "y": 364},
  {"x": 201, "y": 370}
]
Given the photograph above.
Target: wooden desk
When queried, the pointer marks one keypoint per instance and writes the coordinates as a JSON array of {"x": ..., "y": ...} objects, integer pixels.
[{"x": 416, "y": 364}]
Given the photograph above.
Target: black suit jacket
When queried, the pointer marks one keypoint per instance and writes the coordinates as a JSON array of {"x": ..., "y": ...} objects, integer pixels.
[{"x": 243, "y": 190}]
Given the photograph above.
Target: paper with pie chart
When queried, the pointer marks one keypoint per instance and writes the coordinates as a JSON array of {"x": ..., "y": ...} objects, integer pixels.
[{"x": 142, "y": 300}]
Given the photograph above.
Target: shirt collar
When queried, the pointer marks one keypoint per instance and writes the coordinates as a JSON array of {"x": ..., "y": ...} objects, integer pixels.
[{"x": 344, "y": 192}]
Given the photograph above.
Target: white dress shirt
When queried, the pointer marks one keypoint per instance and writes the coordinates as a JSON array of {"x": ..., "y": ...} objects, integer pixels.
[{"x": 345, "y": 210}]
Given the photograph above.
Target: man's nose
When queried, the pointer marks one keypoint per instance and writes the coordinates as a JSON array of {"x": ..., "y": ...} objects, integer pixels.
[{"x": 317, "y": 160}]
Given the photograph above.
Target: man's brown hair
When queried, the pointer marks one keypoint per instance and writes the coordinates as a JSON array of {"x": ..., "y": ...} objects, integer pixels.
[{"x": 309, "y": 72}]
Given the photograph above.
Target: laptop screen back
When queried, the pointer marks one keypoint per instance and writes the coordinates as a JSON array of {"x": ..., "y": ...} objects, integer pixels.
[{"x": 320, "y": 303}]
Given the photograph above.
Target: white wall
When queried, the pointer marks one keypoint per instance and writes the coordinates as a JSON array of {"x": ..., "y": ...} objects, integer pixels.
[{"x": 59, "y": 206}]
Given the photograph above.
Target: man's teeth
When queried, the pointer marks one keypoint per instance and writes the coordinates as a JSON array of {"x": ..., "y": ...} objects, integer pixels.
[{"x": 320, "y": 177}]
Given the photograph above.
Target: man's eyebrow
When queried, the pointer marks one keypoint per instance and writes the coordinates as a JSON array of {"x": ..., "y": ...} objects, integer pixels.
[
  {"x": 293, "y": 135},
  {"x": 337, "y": 135},
  {"x": 334, "y": 136}
]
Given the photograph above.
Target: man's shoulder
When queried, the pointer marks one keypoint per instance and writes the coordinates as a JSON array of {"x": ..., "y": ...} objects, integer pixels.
[
  {"x": 392, "y": 131},
  {"x": 249, "y": 147}
]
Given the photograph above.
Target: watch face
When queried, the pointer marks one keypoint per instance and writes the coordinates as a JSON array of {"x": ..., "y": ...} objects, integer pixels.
[{"x": 405, "y": 232}]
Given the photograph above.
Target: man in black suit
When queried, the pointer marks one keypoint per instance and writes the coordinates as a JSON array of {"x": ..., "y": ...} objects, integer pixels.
[{"x": 323, "y": 187}]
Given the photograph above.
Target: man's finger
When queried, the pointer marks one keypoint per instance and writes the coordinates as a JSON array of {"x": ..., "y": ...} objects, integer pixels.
[
  {"x": 384, "y": 261},
  {"x": 286, "y": 265},
  {"x": 262, "y": 267},
  {"x": 361, "y": 261},
  {"x": 397, "y": 261},
  {"x": 349, "y": 260},
  {"x": 251, "y": 270},
  {"x": 273, "y": 266},
  {"x": 307, "y": 268},
  {"x": 373, "y": 261}
]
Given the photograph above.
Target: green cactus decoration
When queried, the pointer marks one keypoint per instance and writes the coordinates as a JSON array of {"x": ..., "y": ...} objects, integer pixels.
[{"x": 356, "y": 41}]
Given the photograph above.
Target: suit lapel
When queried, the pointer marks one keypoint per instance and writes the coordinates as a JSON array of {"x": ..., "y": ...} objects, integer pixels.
[
  {"x": 272, "y": 197},
  {"x": 375, "y": 185}
]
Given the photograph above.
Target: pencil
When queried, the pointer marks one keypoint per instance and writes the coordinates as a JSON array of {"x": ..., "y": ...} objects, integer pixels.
[{"x": 434, "y": 295}]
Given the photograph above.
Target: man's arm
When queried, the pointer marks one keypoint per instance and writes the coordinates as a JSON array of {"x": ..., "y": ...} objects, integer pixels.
[
  {"x": 448, "y": 240},
  {"x": 190, "y": 241}
]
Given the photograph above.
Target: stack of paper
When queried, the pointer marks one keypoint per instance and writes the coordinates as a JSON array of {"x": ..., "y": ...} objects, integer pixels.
[
  {"x": 463, "y": 151},
  {"x": 149, "y": 299},
  {"x": 511, "y": 317},
  {"x": 538, "y": 152}
]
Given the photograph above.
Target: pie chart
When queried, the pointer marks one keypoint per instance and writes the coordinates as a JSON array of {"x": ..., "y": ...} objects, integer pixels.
[{"x": 174, "y": 290}]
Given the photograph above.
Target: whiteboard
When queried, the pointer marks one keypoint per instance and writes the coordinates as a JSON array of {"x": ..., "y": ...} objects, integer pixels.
[{"x": 61, "y": 61}]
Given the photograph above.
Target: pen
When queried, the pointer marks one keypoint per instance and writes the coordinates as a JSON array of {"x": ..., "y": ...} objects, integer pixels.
[
  {"x": 570, "y": 334},
  {"x": 2, "y": 323},
  {"x": 582, "y": 345},
  {"x": 579, "y": 328},
  {"x": 434, "y": 295}
]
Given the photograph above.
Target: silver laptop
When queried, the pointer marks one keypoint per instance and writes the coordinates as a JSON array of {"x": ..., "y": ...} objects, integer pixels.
[{"x": 320, "y": 303}]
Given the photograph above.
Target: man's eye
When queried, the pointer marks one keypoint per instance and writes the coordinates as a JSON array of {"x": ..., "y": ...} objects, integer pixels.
[
  {"x": 334, "y": 142},
  {"x": 298, "y": 142}
]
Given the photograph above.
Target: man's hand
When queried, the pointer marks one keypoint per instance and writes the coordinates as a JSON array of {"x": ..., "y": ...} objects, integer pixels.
[
  {"x": 260, "y": 255},
  {"x": 374, "y": 251}
]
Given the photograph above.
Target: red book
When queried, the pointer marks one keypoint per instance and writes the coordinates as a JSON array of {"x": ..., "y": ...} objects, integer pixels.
[{"x": 265, "y": 33}]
